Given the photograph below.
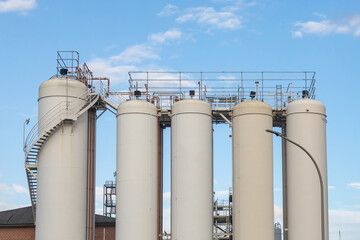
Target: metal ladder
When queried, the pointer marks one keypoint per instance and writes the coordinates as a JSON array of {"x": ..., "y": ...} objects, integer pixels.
[
  {"x": 279, "y": 97},
  {"x": 41, "y": 132}
]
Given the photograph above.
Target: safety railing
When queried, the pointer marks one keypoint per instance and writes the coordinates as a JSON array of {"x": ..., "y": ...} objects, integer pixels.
[
  {"x": 61, "y": 111},
  {"x": 223, "y": 89}
]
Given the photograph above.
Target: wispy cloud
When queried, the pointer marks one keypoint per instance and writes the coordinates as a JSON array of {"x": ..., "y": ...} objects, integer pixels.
[
  {"x": 98, "y": 200},
  {"x": 117, "y": 67},
  {"x": 331, "y": 187},
  {"x": 355, "y": 185},
  {"x": 10, "y": 195},
  {"x": 22, "y": 6},
  {"x": 135, "y": 54},
  {"x": 166, "y": 196},
  {"x": 350, "y": 25},
  {"x": 208, "y": 16},
  {"x": 7, "y": 206},
  {"x": 278, "y": 212},
  {"x": 12, "y": 189},
  {"x": 346, "y": 221},
  {"x": 169, "y": 10},
  {"x": 134, "y": 57},
  {"x": 163, "y": 37},
  {"x": 221, "y": 194},
  {"x": 19, "y": 189}
]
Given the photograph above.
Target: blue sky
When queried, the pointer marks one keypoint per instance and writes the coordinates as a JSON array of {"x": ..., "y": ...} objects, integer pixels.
[{"x": 115, "y": 37}]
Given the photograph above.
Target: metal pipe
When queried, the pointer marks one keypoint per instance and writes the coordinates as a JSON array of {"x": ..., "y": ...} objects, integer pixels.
[
  {"x": 284, "y": 183},
  {"x": 160, "y": 179},
  {"x": 91, "y": 154},
  {"x": 318, "y": 172}
]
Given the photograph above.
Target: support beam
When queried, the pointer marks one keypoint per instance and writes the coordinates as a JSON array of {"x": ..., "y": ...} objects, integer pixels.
[
  {"x": 284, "y": 184},
  {"x": 160, "y": 179},
  {"x": 90, "y": 188}
]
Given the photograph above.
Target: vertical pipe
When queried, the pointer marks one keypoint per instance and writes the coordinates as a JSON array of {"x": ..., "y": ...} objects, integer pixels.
[
  {"x": 91, "y": 159},
  {"x": 160, "y": 179},
  {"x": 284, "y": 179}
]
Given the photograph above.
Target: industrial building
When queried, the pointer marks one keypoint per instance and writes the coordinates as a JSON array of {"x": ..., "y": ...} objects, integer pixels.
[
  {"x": 19, "y": 224},
  {"x": 60, "y": 153}
]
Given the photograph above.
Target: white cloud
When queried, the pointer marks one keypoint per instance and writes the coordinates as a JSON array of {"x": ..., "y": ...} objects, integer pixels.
[
  {"x": 12, "y": 189},
  {"x": 167, "y": 196},
  {"x": 135, "y": 54},
  {"x": 162, "y": 37},
  {"x": 331, "y": 187},
  {"x": 221, "y": 194},
  {"x": 319, "y": 15},
  {"x": 278, "y": 213},
  {"x": 350, "y": 25},
  {"x": 99, "y": 200},
  {"x": 354, "y": 185},
  {"x": 4, "y": 187},
  {"x": 168, "y": 10},
  {"x": 106, "y": 67},
  {"x": 297, "y": 34},
  {"x": 8, "y": 206},
  {"x": 17, "y": 5},
  {"x": 347, "y": 222},
  {"x": 208, "y": 16},
  {"x": 19, "y": 189},
  {"x": 216, "y": 182}
]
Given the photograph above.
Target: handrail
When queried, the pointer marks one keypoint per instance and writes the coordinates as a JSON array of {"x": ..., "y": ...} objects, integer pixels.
[{"x": 53, "y": 114}]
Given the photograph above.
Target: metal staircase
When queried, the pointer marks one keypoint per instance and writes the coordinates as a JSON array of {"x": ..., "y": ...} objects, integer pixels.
[{"x": 63, "y": 112}]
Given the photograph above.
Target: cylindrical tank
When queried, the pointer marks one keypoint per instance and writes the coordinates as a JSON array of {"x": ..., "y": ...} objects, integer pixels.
[
  {"x": 191, "y": 170},
  {"x": 253, "y": 204},
  {"x": 62, "y": 162},
  {"x": 136, "y": 171},
  {"x": 306, "y": 125}
]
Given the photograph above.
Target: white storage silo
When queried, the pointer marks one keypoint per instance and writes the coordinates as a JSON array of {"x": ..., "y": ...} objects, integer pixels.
[
  {"x": 253, "y": 204},
  {"x": 137, "y": 171},
  {"x": 306, "y": 125},
  {"x": 191, "y": 170},
  {"x": 62, "y": 162}
]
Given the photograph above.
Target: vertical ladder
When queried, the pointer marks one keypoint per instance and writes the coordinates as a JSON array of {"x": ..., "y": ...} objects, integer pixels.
[{"x": 278, "y": 97}]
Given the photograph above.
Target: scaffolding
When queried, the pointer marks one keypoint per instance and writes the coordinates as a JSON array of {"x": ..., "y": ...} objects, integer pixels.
[
  {"x": 222, "y": 218},
  {"x": 109, "y": 199}
]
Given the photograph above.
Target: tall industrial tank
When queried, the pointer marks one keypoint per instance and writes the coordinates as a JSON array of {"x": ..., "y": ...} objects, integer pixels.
[
  {"x": 306, "y": 125},
  {"x": 136, "y": 171},
  {"x": 62, "y": 162},
  {"x": 253, "y": 204},
  {"x": 191, "y": 170}
]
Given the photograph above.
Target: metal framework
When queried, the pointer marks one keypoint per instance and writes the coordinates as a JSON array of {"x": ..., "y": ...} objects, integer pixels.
[
  {"x": 222, "y": 218},
  {"x": 223, "y": 90},
  {"x": 109, "y": 199}
]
